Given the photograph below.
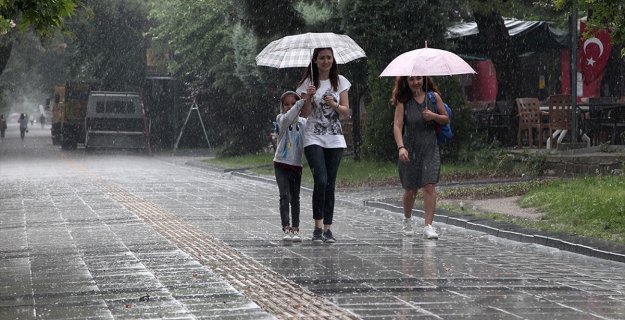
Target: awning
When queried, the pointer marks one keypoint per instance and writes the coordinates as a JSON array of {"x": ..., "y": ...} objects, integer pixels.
[{"x": 527, "y": 36}]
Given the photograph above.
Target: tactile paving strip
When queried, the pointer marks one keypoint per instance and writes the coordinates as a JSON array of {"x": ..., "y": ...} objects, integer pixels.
[{"x": 270, "y": 290}]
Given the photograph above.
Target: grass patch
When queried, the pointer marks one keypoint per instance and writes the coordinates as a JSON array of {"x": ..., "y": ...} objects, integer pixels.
[
  {"x": 592, "y": 207},
  {"x": 589, "y": 206}
]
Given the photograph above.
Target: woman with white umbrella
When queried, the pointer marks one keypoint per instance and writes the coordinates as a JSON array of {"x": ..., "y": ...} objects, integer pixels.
[
  {"x": 326, "y": 97},
  {"x": 416, "y": 116}
]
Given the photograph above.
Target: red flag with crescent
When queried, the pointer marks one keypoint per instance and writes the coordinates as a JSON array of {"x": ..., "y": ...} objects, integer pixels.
[{"x": 594, "y": 53}]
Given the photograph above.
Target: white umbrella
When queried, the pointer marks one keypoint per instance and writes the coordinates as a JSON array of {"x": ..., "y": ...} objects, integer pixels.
[
  {"x": 296, "y": 50},
  {"x": 427, "y": 62}
]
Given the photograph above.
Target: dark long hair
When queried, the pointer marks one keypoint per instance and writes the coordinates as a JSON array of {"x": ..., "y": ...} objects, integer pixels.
[
  {"x": 334, "y": 70},
  {"x": 401, "y": 90}
]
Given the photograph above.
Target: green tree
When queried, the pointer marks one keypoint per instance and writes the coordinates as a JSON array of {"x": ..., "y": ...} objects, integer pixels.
[
  {"x": 601, "y": 14},
  {"x": 32, "y": 70},
  {"x": 273, "y": 19},
  {"x": 494, "y": 34},
  {"x": 107, "y": 44},
  {"x": 399, "y": 27},
  {"x": 102, "y": 42},
  {"x": 212, "y": 56},
  {"x": 44, "y": 16}
]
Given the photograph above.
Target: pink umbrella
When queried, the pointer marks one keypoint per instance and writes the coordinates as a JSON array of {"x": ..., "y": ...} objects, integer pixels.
[{"x": 427, "y": 62}]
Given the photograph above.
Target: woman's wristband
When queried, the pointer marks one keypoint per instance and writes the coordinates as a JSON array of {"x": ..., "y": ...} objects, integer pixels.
[{"x": 399, "y": 148}]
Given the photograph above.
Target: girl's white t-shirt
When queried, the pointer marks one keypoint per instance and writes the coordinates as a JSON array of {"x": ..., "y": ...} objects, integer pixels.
[{"x": 323, "y": 127}]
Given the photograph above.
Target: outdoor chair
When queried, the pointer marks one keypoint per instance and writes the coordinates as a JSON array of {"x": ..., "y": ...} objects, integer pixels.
[
  {"x": 597, "y": 123},
  {"x": 480, "y": 111},
  {"x": 614, "y": 121},
  {"x": 559, "y": 118},
  {"x": 530, "y": 119}
]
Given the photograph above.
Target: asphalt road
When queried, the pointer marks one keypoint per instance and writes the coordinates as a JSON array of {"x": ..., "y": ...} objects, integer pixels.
[{"x": 109, "y": 234}]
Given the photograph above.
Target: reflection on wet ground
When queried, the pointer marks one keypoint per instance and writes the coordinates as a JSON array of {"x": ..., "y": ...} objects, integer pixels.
[{"x": 90, "y": 234}]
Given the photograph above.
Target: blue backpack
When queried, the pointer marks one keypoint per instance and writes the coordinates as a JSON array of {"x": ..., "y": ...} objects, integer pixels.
[{"x": 443, "y": 133}]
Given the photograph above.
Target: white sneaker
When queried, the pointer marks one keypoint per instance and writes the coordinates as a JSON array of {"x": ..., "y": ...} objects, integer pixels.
[
  {"x": 295, "y": 236},
  {"x": 287, "y": 234},
  {"x": 429, "y": 232},
  {"x": 407, "y": 228}
]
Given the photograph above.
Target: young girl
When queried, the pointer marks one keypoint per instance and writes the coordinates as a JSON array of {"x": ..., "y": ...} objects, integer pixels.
[{"x": 287, "y": 161}]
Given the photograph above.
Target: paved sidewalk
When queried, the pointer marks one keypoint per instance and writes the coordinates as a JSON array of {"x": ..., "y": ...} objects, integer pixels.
[
  {"x": 114, "y": 236},
  {"x": 389, "y": 198}
]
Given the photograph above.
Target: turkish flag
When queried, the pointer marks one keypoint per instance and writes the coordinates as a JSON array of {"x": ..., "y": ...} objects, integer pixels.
[{"x": 594, "y": 53}]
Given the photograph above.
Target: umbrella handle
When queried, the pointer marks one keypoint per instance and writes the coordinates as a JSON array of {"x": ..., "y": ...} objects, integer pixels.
[{"x": 311, "y": 67}]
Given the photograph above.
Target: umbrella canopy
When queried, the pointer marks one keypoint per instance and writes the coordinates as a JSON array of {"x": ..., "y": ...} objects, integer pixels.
[
  {"x": 427, "y": 62},
  {"x": 296, "y": 50}
]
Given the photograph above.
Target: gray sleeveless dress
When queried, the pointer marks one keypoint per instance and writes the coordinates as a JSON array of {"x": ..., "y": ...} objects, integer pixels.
[{"x": 420, "y": 142}]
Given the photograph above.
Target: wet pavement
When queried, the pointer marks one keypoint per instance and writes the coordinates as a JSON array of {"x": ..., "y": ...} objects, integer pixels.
[{"x": 120, "y": 235}]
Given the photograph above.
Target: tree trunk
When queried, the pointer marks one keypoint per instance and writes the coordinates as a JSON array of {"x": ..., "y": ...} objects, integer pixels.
[
  {"x": 5, "y": 54},
  {"x": 495, "y": 36}
]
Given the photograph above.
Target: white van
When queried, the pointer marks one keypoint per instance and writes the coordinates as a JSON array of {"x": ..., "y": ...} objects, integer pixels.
[{"x": 116, "y": 120}]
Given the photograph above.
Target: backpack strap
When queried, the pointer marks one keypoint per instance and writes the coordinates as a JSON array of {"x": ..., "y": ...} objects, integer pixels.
[{"x": 432, "y": 98}]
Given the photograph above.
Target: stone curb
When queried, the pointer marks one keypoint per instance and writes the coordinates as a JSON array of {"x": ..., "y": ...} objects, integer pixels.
[{"x": 524, "y": 236}]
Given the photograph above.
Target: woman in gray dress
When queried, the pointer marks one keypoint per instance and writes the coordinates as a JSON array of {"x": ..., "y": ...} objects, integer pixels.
[{"x": 419, "y": 158}]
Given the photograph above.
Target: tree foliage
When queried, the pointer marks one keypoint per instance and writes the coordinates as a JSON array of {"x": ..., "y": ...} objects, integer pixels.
[
  {"x": 106, "y": 45},
  {"x": 44, "y": 16},
  {"x": 213, "y": 56},
  {"x": 273, "y": 19},
  {"x": 494, "y": 34},
  {"x": 17, "y": 17},
  {"x": 210, "y": 46},
  {"x": 399, "y": 27},
  {"x": 33, "y": 69},
  {"x": 601, "y": 14}
]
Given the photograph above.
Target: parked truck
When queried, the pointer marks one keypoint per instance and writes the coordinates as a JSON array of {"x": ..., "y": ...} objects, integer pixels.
[
  {"x": 97, "y": 119},
  {"x": 116, "y": 120},
  {"x": 69, "y": 108}
]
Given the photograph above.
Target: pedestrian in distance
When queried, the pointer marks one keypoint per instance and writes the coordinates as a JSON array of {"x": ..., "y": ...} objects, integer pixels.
[
  {"x": 414, "y": 130},
  {"x": 42, "y": 120},
  {"x": 3, "y": 126},
  {"x": 23, "y": 121},
  {"x": 326, "y": 98},
  {"x": 287, "y": 162}
]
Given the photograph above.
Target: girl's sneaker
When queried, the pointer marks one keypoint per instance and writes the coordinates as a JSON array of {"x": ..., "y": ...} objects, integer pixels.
[
  {"x": 287, "y": 233},
  {"x": 317, "y": 235},
  {"x": 295, "y": 235},
  {"x": 328, "y": 237}
]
